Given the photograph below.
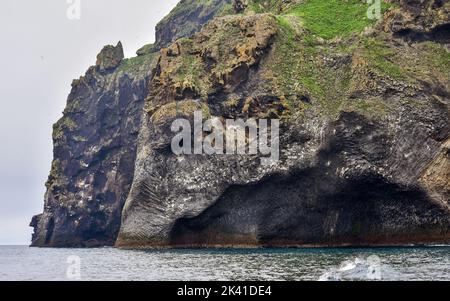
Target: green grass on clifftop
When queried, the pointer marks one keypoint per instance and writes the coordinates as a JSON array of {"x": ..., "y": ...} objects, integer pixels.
[
  {"x": 332, "y": 18},
  {"x": 136, "y": 63}
]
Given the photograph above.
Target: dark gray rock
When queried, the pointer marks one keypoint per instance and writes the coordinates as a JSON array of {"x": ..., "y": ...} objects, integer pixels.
[
  {"x": 110, "y": 57},
  {"x": 94, "y": 154},
  {"x": 95, "y": 145},
  {"x": 355, "y": 178},
  {"x": 364, "y": 138},
  {"x": 186, "y": 19}
]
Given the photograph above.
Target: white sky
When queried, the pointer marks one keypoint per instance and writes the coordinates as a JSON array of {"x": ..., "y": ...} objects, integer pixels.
[{"x": 41, "y": 51}]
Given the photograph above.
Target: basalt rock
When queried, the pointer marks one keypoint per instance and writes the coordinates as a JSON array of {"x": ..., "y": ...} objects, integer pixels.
[
  {"x": 95, "y": 149},
  {"x": 420, "y": 20},
  {"x": 110, "y": 57},
  {"x": 94, "y": 154},
  {"x": 364, "y": 132},
  {"x": 187, "y": 18},
  {"x": 363, "y": 148}
]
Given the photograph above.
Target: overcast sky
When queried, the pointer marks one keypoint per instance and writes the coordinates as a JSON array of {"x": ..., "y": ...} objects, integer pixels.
[{"x": 41, "y": 52}]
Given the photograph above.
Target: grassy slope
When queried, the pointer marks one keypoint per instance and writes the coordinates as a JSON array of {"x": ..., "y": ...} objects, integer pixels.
[
  {"x": 332, "y": 18},
  {"x": 305, "y": 41}
]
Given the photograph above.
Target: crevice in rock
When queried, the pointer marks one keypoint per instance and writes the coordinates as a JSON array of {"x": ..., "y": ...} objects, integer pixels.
[
  {"x": 50, "y": 229},
  {"x": 439, "y": 34}
]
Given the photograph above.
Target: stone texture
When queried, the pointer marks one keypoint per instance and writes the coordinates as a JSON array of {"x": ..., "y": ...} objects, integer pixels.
[
  {"x": 95, "y": 149},
  {"x": 110, "y": 57},
  {"x": 420, "y": 20},
  {"x": 187, "y": 18},
  {"x": 349, "y": 175},
  {"x": 364, "y": 135},
  {"x": 93, "y": 166}
]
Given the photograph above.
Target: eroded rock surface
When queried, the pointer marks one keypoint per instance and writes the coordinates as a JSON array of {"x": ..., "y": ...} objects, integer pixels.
[
  {"x": 364, "y": 137},
  {"x": 110, "y": 57},
  {"x": 95, "y": 147},
  {"x": 420, "y": 20},
  {"x": 94, "y": 154},
  {"x": 363, "y": 155},
  {"x": 187, "y": 18}
]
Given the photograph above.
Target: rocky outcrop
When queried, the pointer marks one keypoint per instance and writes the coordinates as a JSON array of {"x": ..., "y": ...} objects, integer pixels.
[
  {"x": 110, "y": 58},
  {"x": 95, "y": 148},
  {"x": 190, "y": 68},
  {"x": 174, "y": 94},
  {"x": 187, "y": 18},
  {"x": 94, "y": 154},
  {"x": 364, "y": 129},
  {"x": 436, "y": 177},
  {"x": 420, "y": 20},
  {"x": 362, "y": 141}
]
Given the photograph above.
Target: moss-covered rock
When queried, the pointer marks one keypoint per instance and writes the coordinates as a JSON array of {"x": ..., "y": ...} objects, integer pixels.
[
  {"x": 146, "y": 49},
  {"x": 216, "y": 59},
  {"x": 110, "y": 57},
  {"x": 187, "y": 18}
]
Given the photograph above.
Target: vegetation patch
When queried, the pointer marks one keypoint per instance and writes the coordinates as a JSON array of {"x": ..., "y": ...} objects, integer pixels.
[
  {"x": 333, "y": 18},
  {"x": 188, "y": 74},
  {"x": 294, "y": 62},
  {"x": 180, "y": 109},
  {"x": 146, "y": 49},
  {"x": 440, "y": 57},
  {"x": 263, "y": 6},
  {"x": 135, "y": 64},
  {"x": 382, "y": 57},
  {"x": 436, "y": 56},
  {"x": 301, "y": 74},
  {"x": 369, "y": 107}
]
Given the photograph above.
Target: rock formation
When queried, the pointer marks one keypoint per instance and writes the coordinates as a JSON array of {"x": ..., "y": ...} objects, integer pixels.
[
  {"x": 187, "y": 18},
  {"x": 364, "y": 138},
  {"x": 95, "y": 147}
]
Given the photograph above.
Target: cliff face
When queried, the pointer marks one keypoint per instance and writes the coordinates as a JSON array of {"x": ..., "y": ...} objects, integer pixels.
[
  {"x": 364, "y": 135},
  {"x": 94, "y": 153},
  {"x": 95, "y": 145},
  {"x": 187, "y": 18}
]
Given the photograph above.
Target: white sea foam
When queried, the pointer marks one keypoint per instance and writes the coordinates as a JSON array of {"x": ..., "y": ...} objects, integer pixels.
[{"x": 369, "y": 268}]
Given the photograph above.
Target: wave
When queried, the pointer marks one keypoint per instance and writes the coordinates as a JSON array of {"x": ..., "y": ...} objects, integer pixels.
[{"x": 362, "y": 269}]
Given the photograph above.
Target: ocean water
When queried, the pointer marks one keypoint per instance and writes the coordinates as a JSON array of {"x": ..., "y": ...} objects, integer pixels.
[{"x": 24, "y": 263}]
